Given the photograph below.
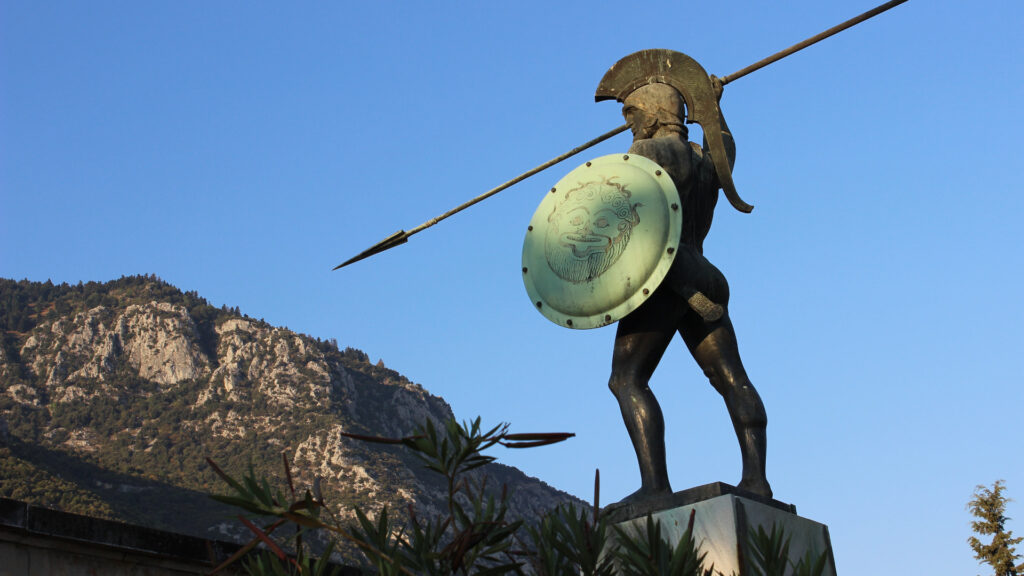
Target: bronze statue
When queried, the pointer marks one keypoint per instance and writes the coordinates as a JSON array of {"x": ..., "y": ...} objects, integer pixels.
[
  {"x": 692, "y": 300},
  {"x": 660, "y": 91}
]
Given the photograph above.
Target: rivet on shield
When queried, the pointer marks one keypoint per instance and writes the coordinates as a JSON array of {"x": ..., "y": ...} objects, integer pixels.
[
  {"x": 670, "y": 250},
  {"x": 524, "y": 267},
  {"x": 657, "y": 172},
  {"x": 646, "y": 291},
  {"x": 552, "y": 190},
  {"x": 529, "y": 228},
  {"x": 675, "y": 206},
  {"x": 569, "y": 322},
  {"x": 607, "y": 317},
  {"x": 588, "y": 164},
  {"x": 539, "y": 303},
  {"x": 625, "y": 156}
]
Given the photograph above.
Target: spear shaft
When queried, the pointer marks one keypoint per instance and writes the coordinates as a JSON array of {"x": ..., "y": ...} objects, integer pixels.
[
  {"x": 812, "y": 40},
  {"x": 402, "y": 236}
]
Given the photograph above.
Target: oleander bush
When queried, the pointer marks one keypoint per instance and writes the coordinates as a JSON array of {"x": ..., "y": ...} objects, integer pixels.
[{"x": 474, "y": 534}]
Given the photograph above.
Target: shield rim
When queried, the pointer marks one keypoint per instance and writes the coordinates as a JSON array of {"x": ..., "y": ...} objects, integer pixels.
[{"x": 644, "y": 290}]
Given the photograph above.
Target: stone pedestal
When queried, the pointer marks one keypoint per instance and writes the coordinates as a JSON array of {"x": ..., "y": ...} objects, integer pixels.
[{"x": 723, "y": 518}]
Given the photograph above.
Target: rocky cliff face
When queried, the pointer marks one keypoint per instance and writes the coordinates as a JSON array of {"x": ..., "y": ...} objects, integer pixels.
[
  {"x": 75, "y": 356},
  {"x": 122, "y": 389}
]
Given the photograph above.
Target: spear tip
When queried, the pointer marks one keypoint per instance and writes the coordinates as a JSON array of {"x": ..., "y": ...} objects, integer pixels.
[{"x": 400, "y": 237}]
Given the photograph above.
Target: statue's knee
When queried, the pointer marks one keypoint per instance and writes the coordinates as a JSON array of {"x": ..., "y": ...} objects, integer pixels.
[
  {"x": 740, "y": 397},
  {"x": 729, "y": 383},
  {"x": 749, "y": 406},
  {"x": 723, "y": 382},
  {"x": 616, "y": 384},
  {"x": 622, "y": 381}
]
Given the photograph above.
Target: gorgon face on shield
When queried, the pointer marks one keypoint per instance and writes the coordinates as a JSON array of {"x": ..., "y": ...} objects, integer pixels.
[{"x": 589, "y": 229}]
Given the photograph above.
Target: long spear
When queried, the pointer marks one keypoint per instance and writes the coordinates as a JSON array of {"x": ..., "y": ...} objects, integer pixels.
[{"x": 402, "y": 236}]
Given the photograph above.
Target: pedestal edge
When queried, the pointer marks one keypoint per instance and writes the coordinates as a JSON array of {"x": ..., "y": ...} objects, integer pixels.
[{"x": 622, "y": 512}]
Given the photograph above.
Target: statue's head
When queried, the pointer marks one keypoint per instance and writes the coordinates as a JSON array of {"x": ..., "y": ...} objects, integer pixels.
[
  {"x": 654, "y": 106},
  {"x": 589, "y": 229}
]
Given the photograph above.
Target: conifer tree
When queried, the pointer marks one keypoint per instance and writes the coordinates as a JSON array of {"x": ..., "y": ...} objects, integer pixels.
[{"x": 989, "y": 507}]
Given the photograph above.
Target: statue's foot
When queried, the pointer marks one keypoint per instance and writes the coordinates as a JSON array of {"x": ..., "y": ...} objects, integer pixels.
[
  {"x": 640, "y": 495},
  {"x": 757, "y": 486}
]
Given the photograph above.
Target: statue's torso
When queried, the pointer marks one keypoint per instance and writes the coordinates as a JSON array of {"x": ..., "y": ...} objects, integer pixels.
[{"x": 692, "y": 172}]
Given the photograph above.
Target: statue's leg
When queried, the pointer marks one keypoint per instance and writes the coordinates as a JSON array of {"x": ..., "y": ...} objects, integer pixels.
[
  {"x": 714, "y": 347},
  {"x": 640, "y": 341}
]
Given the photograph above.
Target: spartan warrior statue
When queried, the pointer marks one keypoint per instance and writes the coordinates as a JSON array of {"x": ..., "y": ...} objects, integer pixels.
[
  {"x": 694, "y": 296},
  {"x": 621, "y": 239}
]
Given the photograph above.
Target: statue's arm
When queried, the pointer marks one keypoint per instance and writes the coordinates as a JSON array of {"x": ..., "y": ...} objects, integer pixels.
[
  {"x": 727, "y": 139},
  {"x": 644, "y": 148},
  {"x": 670, "y": 159}
]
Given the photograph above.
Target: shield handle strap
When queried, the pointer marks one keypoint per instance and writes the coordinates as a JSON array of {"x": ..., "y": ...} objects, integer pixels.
[{"x": 692, "y": 81}]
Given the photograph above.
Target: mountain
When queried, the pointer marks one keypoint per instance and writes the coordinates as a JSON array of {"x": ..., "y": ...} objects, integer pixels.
[{"x": 113, "y": 394}]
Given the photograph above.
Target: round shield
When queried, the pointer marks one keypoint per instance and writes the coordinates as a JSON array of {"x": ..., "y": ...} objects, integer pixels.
[{"x": 601, "y": 241}]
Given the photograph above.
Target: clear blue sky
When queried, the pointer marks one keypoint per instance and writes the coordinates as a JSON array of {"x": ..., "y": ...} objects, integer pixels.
[{"x": 243, "y": 149}]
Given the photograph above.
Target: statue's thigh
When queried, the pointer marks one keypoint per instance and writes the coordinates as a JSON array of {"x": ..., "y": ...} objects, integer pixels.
[
  {"x": 644, "y": 334},
  {"x": 714, "y": 347}
]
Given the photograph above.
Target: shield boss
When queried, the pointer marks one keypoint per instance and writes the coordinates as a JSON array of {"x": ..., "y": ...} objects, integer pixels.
[{"x": 601, "y": 241}]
